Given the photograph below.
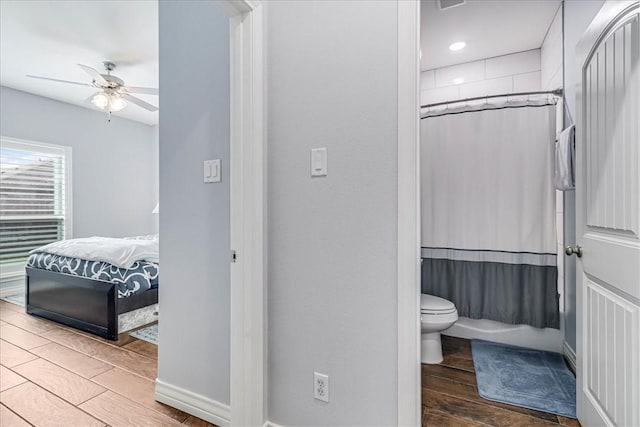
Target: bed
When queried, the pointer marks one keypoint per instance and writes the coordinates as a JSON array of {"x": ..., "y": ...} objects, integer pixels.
[{"x": 100, "y": 285}]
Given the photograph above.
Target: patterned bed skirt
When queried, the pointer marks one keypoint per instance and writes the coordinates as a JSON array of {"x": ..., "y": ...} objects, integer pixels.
[{"x": 142, "y": 276}]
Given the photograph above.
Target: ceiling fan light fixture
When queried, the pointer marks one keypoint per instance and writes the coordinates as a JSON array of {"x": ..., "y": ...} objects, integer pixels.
[
  {"x": 100, "y": 100},
  {"x": 116, "y": 103},
  {"x": 113, "y": 95},
  {"x": 111, "y": 101}
]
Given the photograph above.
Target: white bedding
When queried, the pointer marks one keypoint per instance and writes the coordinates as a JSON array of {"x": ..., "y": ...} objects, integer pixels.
[{"x": 122, "y": 253}]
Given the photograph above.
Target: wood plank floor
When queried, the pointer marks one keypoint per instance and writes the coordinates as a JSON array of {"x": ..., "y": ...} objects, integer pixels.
[
  {"x": 54, "y": 375},
  {"x": 450, "y": 396}
]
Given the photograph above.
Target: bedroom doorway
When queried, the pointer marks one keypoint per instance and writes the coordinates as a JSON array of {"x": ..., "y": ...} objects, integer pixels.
[{"x": 222, "y": 290}]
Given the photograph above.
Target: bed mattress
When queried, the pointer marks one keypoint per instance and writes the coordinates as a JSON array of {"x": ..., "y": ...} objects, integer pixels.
[{"x": 140, "y": 277}]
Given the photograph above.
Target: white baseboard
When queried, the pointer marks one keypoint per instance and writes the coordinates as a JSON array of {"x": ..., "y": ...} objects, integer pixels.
[
  {"x": 570, "y": 355},
  {"x": 11, "y": 290},
  {"x": 270, "y": 424},
  {"x": 194, "y": 404}
]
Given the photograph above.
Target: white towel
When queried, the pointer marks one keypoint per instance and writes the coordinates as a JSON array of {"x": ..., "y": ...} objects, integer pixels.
[{"x": 564, "y": 178}]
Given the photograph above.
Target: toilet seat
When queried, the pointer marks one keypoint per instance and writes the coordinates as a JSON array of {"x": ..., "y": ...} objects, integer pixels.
[
  {"x": 437, "y": 312},
  {"x": 433, "y": 305}
]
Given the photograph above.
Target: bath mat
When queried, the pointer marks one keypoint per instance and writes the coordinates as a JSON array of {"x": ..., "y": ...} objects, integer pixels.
[
  {"x": 148, "y": 333},
  {"x": 524, "y": 377},
  {"x": 17, "y": 299}
]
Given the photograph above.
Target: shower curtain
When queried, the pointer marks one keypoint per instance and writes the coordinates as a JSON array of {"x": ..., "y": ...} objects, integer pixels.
[{"x": 488, "y": 212}]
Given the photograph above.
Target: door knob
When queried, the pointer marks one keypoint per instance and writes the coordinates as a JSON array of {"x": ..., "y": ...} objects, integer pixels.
[{"x": 571, "y": 251}]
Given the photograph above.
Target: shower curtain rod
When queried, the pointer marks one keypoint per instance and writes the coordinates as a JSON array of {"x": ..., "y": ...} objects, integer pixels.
[{"x": 556, "y": 92}]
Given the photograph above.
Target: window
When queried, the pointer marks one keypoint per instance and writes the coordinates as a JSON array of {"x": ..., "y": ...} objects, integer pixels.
[{"x": 34, "y": 199}]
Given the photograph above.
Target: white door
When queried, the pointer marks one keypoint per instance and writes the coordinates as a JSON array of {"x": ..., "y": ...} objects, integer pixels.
[{"x": 608, "y": 219}]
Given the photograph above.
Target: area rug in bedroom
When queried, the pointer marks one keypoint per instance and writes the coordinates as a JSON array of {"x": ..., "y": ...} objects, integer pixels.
[
  {"x": 17, "y": 299},
  {"x": 524, "y": 377},
  {"x": 148, "y": 333}
]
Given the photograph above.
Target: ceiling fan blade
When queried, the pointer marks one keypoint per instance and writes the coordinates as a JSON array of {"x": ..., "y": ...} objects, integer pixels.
[
  {"x": 94, "y": 75},
  {"x": 139, "y": 102},
  {"x": 144, "y": 90},
  {"x": 59, "y": 81}
]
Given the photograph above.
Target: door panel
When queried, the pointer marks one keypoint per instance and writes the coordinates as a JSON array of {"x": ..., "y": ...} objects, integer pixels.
[
  {"x": 611, "y": 346},
  {"x": 608, "y": 219},
  {"x": 610, "y": 74}
]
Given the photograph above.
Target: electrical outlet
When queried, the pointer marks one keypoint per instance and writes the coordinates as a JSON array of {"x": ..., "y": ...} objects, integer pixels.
[{"x": 321, "y": 387}]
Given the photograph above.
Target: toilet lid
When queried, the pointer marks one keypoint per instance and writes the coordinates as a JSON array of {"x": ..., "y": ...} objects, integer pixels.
[{"x": 432, "y": 303}]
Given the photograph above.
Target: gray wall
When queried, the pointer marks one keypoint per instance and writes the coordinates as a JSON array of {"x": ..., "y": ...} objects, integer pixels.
[
  {"x": 332, "y": 82},
  {"x": 578, "y": 14},
  {"x": 194, "y": 217},
  {"x": 113, "y": 169},
  {"x": 155, "y": 135}
]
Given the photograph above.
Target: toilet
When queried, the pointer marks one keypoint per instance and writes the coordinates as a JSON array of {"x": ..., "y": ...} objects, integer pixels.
[{"x": 436, "y": 315}]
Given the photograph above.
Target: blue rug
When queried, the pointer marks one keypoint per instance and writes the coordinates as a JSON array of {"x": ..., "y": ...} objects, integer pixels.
[
  {"x": 17, "y": 299},
  {"x": 148, "y": 333},
  {"x": 524, "y": 377}
]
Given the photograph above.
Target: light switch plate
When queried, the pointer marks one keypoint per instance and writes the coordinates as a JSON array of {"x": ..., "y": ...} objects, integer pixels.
[
  {"x": 318, "y": 162},
  {"x": 211, "y": 172}
]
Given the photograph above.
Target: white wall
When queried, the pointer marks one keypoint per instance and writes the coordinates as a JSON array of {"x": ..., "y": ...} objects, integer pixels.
[
  {"x": 517, "y": 72},
  {"x": 194, "y": 217},
  {"x": 551, "y": 55},
  {"x": 551, "y": 75},
  {"x": 578, "y": 14},
  {"x": 332, "y": 82},
  {"x": 113, "y": 168}
]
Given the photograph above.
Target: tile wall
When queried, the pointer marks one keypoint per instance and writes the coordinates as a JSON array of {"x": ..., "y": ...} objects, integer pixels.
[{"x": 517, "y": 72}]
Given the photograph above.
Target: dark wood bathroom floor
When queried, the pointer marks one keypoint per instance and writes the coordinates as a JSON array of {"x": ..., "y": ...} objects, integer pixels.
[{"x": 450, "y": 396}]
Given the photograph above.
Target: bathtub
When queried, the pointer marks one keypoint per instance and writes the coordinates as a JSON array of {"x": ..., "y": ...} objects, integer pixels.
[{"x": 521, "y": 335}]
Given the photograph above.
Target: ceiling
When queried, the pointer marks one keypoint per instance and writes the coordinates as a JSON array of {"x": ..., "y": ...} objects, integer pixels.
[
  {"x": 489, "y": 27},
  {"x": 48, "y": 38}
]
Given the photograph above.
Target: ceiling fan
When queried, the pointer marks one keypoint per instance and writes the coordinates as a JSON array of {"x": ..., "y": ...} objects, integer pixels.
[{"x": 113, "y": 94}]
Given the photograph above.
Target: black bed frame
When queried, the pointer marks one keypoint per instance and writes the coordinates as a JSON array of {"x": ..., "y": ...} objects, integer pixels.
[{"x": 82, "y": 303}]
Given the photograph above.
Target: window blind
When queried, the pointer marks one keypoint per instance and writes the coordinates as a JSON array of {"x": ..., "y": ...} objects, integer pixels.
[{"x": 32, "y": 198}]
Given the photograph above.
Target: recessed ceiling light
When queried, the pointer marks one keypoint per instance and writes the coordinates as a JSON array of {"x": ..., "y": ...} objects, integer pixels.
[
  {"x": 457, "y": 46},
  {"x": 458, "y": 81}
]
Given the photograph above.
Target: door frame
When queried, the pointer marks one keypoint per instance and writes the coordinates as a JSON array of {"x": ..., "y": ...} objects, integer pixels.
[
  {"x": 605, "y": 19},
  {"x": 248, "y": 213},
  {"x": 408, "y": 251},
  {"x": 247, "y": 225}
]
